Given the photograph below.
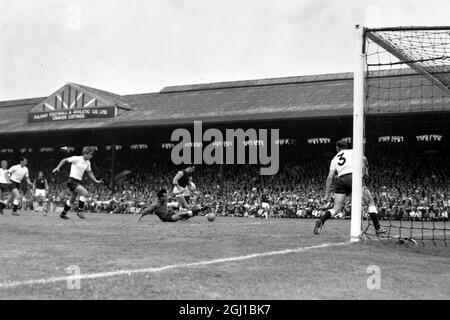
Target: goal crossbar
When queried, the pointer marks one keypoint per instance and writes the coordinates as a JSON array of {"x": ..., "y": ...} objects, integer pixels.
[{"x": 411, "y": 63}]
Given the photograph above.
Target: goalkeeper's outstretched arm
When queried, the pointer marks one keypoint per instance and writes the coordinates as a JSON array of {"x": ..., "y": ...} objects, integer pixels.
[{"x": 147, "y": 211}]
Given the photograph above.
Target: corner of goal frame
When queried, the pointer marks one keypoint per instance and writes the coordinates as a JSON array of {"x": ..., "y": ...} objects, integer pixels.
[{"x": 355, "y": 239}]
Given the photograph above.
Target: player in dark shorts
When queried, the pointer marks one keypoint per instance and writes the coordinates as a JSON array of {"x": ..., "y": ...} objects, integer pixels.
[
  {"x": 342, "y": 166},
  {"x": 79, "y": 165},
  {"x": 14, "y": 177},
  {"x": 168, "y": 214}
]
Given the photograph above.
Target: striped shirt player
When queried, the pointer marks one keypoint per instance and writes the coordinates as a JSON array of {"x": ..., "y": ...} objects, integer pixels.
[
  {"x": 14, "y": 176},
  {"x": 79, "y": 166},
  {"x": 342, "y": 167},
  {"x": 189, "y": 190}
]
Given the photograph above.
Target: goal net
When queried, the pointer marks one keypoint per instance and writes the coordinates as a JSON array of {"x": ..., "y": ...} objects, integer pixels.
[{"x": 405, "y": 87}]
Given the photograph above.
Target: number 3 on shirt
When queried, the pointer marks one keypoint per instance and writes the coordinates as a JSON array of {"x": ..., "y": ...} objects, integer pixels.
[{"x": 342, "y": 160}]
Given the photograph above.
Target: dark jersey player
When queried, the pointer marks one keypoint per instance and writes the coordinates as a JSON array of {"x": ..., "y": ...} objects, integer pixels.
[
  {"x": 40, "y": 189},
  {"x": 166, "y": 213},
  {"x": 265, "y": 198},
  {"x": 265, "y": 205}
]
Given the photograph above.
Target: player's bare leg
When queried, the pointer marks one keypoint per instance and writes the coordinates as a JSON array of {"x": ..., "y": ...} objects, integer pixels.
[
  {"x": 68, "y": 205},
  {"x": 39, "y": 203},
  {"x": 372, "y": 210},
  {"x": 84, "y": 195},
  {"x": 17, "y": 198},
  {"x": 2, "y": 202},
  {"x": 182, "y": 201},
  {"x": 46, "y": 205},
  {"x": 339, "y": 199}
]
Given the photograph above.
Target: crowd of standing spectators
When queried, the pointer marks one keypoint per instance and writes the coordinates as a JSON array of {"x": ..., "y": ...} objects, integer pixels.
[{"x": 403, "y": 189}]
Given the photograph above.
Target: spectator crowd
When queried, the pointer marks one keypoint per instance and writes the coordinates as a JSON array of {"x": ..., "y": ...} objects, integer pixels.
[{"x": 403, "y": 189}]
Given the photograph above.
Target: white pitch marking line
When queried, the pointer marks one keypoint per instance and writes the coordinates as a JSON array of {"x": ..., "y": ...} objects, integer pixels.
[
  {"x": 13, "y": 284},
  {"x": 233, "y": 224},
  {"x": 157, "y": 223}
]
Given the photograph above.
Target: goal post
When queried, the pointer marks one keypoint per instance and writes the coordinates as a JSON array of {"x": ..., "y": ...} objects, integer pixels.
[
  {"x": 358, "y": 134},
  {"x": 401, "y": 122}
]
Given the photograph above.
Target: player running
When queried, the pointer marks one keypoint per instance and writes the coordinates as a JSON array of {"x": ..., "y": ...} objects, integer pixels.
[
  {"x": 166, "y": 213},
  {"x": 181, "y": 185},
  {"x": 40, "y": 189},
  {"x": 79, "y": 165},
  {"x": 342, "y": 166},
  {"x": 14, "y": 177},
  {"x": 4, "y": 186}
]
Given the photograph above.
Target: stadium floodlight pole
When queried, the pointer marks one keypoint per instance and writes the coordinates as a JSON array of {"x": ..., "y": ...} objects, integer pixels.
[{"x": 358, "y": 134}]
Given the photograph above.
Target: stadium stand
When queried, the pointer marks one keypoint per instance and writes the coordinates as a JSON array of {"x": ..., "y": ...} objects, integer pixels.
[{"x": 302, "y": 107}]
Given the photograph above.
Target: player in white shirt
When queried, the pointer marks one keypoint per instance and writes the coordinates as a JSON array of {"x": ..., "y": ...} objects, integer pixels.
[
  {"x": 14, "y": 177},
  {"x": 79, "y": 165},
  {"x": 342, "y": 166},
  {"x": 4, "y": 186},
  {"x": 181, "y": 183}
]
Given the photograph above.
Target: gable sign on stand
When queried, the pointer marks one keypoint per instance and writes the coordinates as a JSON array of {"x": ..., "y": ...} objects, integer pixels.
[{"x": 75, "y": 102}]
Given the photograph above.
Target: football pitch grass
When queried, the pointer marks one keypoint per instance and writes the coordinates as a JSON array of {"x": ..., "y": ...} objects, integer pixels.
[{"x": 230, "y": 258}]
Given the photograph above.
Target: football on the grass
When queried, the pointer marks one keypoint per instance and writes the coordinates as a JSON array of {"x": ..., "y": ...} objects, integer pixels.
[{"x": 211, "y": 216}]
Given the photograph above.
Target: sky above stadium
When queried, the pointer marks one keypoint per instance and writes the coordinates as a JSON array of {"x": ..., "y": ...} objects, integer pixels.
[{"x": 136, "y": 46}]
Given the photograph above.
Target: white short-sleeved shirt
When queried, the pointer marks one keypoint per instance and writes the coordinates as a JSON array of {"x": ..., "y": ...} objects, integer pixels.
[
  {"x": 79, "y": 166},
  {"x": 2, "y": 176},
  {"x": 17, "y": 173},
  {"x": 342, "y": 162}
]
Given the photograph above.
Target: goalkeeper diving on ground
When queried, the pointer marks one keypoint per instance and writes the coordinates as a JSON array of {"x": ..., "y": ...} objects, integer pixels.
[{"x": 167, "y": 213}]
